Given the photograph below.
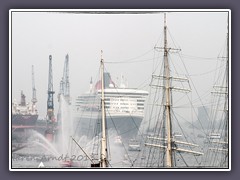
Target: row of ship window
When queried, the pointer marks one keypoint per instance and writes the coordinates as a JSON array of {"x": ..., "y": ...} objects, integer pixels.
[
  {"x": 133, "y": 104},
  {"x": 116, "y": 107}
]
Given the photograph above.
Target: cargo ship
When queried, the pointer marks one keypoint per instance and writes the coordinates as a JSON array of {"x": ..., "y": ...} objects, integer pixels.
[{"x": 24, "y": 114}]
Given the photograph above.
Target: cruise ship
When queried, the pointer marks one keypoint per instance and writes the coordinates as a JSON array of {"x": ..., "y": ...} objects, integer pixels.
[{"x": 124, "y": 109}]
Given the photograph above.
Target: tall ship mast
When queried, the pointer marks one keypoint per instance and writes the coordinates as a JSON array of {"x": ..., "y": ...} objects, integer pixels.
[
  {"x": 104, "y": 152},
  {"x": 167, "y": 92},
  {"x": 218, "y": 148},
  {"x": 164, "y": 138}
]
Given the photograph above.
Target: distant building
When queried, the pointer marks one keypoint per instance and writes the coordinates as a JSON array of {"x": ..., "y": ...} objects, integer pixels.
[{"x": 202, "y": 120}]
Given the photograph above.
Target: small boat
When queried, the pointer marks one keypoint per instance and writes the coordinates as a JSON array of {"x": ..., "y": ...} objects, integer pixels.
[
  {"x": 213, "y": 135},
  {"x": 177, "y": 135},
  {"x": 134, "y": 145},
  {"x": 69, "y": 163},
  {"x": 118, "y": 140}
]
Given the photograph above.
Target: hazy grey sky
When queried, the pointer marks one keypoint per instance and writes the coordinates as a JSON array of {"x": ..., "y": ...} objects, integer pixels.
[{"x": 36, "y": 35}]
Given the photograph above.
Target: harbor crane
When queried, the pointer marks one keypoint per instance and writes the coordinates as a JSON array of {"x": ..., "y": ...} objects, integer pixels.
[
  {"x": 34, "y": 96},
  {"x": 64, "y": 84},
  {"x": 51, "y": 121}
]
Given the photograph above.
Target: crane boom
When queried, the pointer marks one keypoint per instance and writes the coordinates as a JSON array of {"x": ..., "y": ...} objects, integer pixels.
[{"x": 34, "y": 97}]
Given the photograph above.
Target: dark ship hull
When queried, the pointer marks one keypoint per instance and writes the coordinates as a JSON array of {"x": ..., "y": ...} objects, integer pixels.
[
  {"x": 22, "y": 125},
  {"x": 24, "y": 120},
  {"x": 125, "y": 126}
]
